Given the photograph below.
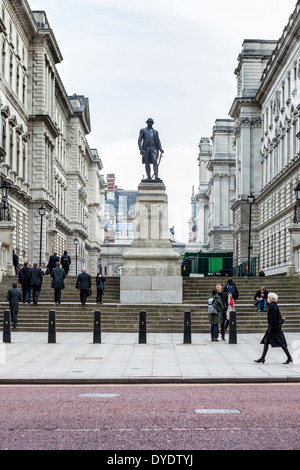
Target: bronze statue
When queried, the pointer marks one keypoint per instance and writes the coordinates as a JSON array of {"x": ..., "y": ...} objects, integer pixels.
[{"x": 150, "y": 146}]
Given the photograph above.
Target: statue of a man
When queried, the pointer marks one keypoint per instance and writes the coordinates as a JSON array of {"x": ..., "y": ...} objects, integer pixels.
[{"x": 150, "y": 146}]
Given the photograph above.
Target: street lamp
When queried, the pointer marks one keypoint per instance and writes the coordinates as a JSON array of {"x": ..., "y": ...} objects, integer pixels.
[
  {"x": 100, "y": 262},
  {"x": 42, "y": 212},
  {"x": 76, "y": 243},
  {"x": 4, "y": 207},
  {"x": 250, "y": 201},
  {"x": 297, "y": 193}
]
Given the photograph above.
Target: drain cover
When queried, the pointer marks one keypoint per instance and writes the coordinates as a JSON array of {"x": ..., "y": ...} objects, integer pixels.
[
  {"x": 207, "y": 411},
  {"x": 100, "y": 395}
]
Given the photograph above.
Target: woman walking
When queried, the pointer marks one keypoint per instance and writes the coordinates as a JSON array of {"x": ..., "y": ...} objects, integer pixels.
[{"x": 274, "y": 335}]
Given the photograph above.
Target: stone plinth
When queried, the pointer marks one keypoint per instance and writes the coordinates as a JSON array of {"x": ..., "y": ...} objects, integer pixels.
[{"x": 151, "y": 272}]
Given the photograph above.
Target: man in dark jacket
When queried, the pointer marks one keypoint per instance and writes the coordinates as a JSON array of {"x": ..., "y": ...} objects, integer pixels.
[
  {"x": 15, "y": 261},
  {"x": 65, "y": 262},
  {"x": 224, "y": 298},
  {"x": 36, "y": 280},
  {"x": 14, "y": 297},
  {"x": 52, "y": 262},
  {"x": 84, "y": 284},
  {"x": 232, "y": 288},
  {"x": 24, "y": 280},
  {"x": 58, "y": 283}
]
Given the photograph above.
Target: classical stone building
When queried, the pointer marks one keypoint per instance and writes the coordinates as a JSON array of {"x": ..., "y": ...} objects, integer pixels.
[
  {"x": 119, "y": 213},
  {"x": 266, "y": 111},
  {"x": 216, "y": 159},
  {"x": 264, "y": 159},
  {"x": 45, "y": 156}
]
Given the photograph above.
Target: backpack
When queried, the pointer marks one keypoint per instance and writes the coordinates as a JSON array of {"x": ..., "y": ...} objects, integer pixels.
[
  {"x": 230, "y": 288},
  {"x": 211, "y": 306},
  {"x": 66, "y": 259}
]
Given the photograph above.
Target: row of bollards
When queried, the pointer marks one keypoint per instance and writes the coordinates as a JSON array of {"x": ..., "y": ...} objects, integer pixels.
[{"x": 187, "y": 333}]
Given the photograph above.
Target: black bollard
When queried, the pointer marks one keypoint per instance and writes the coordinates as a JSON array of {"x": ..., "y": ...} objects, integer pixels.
[
  {"x": 142, "y": 329},
  {"x": 52, "y": 327},
  {"x": 232, "y": 327},
  {"x": 187, "y": 334},
  {"x": 97, "y": 326},
  {"x": 6, "y": 327}
]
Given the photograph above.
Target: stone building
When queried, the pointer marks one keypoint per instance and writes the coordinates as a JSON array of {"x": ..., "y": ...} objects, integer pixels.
[
  {"x": 45, "y": 156},
  {"x": 262, "y": 159},
  {"x": 119, "y": 213},
  {"x": 216, "y": 191},
  {"x": 266, "y": 112}
]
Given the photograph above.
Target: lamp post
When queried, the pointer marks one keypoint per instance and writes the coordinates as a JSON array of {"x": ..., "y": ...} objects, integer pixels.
[
  {"x": 100, "y": 262},
  {"x": 4, "y": 207},
  {"x": 76, "y": 243},
  {"x": 250, "y": 200},
  {"x": 42, "y": 212},
  {"x": 297, "y": 192}
]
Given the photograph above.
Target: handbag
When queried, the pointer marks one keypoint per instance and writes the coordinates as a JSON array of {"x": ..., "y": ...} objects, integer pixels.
[
  {"x": 89, "y": 292},
  {"x": 282, "y": 317}
]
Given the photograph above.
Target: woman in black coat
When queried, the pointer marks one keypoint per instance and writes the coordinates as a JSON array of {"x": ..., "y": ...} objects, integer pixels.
[{"x": 274, "y": 335}]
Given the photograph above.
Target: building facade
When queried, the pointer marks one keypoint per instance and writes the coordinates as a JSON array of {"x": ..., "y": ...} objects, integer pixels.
[
  {"x": 263, "y": 160},
  {"x": 266, "y": 112},
  {"x": 45, "y": 157},
  {"x": 217, "y": 179}
]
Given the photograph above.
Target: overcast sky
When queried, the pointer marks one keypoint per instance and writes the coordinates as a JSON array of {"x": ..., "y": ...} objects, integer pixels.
[{"x": 172, "y": 60}]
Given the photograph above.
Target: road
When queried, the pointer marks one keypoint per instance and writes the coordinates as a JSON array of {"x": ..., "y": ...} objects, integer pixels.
[{"x": 150, "y": 417}]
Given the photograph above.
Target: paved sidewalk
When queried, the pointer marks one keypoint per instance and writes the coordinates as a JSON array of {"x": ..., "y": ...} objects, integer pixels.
[{"x": 29, "y": 358}]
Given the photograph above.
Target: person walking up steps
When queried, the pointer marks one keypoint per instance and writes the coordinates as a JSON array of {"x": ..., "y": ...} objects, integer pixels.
[
  {"x": 14, "y": 297},
  {"x": 58, "y": 283},
  {"x": 83, "y": 284},
  {"x": 24, "y": 280},
  {"x": 36, "y": 280}
]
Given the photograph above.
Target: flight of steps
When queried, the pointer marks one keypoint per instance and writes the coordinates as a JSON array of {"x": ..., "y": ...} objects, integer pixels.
[{"x": 163, "y": 318}]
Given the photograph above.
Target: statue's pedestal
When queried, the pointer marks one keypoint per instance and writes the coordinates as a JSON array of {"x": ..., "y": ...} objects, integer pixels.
[{"x": 151, "y": 271}]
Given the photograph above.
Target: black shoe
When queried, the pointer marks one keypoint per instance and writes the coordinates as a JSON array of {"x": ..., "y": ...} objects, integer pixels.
[
  {"x": 288, "y": 361},
  {"x": 260, "y": 360}
]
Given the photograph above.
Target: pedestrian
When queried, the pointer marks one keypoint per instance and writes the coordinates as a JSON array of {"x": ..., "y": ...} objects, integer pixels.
[
  {"x": 84, "y": 285},
  {"x": 15, "y": 262},
  {"x": 261, "y": 273},
  {"x": 24, "y": 280},
  {"x": 274, "y": 335},
  {"x": 14, "y": 296},
  {"x": 100, "y": 280},
  {"x": 261, "y": 297},
  {"x": 231, "y": 287},
  {"x": 215, "y": 310},
  {"x": 36, "y": 280},
  {"x": 58, "y": 283},
  {"x": 224, "y": 299},
  {"x": 230, "y": 308},
  {"x": 65, "y": 262},
  {"x": 52, "y": 262}
]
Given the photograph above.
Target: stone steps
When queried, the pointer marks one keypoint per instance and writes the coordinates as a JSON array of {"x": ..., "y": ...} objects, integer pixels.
[{"x": 161, "y": 318}]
